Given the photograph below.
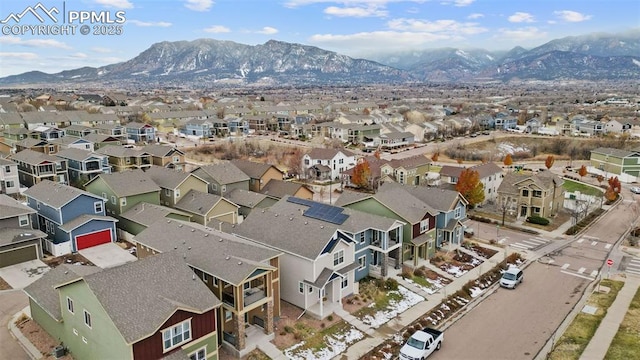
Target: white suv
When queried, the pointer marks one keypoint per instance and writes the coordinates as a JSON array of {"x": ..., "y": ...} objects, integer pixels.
[{"x": 511, "y": 278}]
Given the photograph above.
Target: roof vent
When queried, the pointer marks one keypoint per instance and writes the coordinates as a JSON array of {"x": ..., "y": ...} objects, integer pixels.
[
  {"x": 168, "y": 221},
  {"x": 193, "y": 230},
  {"x": 206, "y": 234},
  {"x": 179, "y": 225},
  {"x": 276, "y": 215},
  {"x": 175, "y": 248},
  {"x": 193, "y": 277},
  {"x": 321, "y": 226},
  {"x": 239, "y": 262},
  {"x": 227, "y": 258},
  {"x": 306, "y": 222},
  {"x": 220, "y": 240},
  {"x": 291, "y": 219},
  {"x": 189, "y": 248}
]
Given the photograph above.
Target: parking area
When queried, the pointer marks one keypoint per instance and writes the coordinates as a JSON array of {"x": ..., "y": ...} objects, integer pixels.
[
  {"x": 20, "y": 275},
  {"x": 107, "y": 255}
]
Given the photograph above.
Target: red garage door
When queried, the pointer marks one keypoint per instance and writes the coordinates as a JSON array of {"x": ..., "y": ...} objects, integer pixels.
[{"x": 93, "y": 239}]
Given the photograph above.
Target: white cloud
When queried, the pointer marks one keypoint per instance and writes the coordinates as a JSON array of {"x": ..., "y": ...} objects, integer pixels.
[
  {"x": 19, "y": 55},
  {"x": 217, "y": 29},
  {"x": 357, "y": 12},
  {"x": 150, "y": 23},
  {"x": 521, "y": 34},
  {"x": 198, "y": 5},
  {"x": 267, "y": 30},
  {"x": 39, "y": 43},
  {"x": 79, "y": 55},
  {"x": 520, "y": 17},
  {"x": 118, "y": 4},
  {"x": 571, "y": 16},
  {"x": 448, "y": 27},
  {"x": 475, "y": 16},
  {"x": 100, "y": 50},
  {"x": 378, "y": 3},
  {"x": 458, "y": 3}
]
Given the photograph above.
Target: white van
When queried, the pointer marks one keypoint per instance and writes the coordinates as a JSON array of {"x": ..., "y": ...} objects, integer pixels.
[{"x": 511, "y": 278}]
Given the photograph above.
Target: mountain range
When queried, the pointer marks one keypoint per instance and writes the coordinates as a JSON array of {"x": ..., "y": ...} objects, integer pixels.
[{"x": 210, "y": 63}]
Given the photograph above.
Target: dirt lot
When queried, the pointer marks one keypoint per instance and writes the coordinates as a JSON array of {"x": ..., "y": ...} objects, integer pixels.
[
  {"x": 4, "y": 285},
  {"x": 289, "y": 317},
  {"x": 40, "y": 339},
  {"x": 68, "y": 259}
]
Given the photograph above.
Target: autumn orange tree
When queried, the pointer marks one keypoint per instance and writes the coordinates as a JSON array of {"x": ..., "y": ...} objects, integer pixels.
[
  {"x": 470, "y": 187},
  {"x": 582, "y": 172},
  {"x": 361, "y": 175},
  {"x": 615, "y": 185},
  {"x": 508, "y": 161},
  {"x": 435, "y": 156},
  {"x": 549, "y": 162}
]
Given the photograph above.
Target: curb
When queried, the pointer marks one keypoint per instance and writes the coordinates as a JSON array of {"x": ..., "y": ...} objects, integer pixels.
[{"x": 28, "y": 347}]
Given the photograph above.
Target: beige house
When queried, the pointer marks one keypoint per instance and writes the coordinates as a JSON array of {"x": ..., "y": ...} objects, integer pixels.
[
  {"x": 531, "y": 195},
  {"x": 206, "y": 208},
  {"x": 174, "y": 184},
  {"x": 259, "y": 173}
]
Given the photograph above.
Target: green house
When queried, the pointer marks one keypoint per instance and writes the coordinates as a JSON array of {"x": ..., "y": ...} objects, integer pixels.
[
  {"x": 124, "y": 190},
  {"x": 616, "y": 161}
]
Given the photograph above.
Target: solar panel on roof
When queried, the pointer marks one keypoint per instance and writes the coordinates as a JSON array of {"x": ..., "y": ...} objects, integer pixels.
[{"x": 324, "y": 212}]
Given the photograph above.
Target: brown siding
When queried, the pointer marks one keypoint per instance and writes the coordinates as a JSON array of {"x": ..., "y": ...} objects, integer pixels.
[
  {"x": 151, "y": 347},
  {"x": 416, "y": 226}
]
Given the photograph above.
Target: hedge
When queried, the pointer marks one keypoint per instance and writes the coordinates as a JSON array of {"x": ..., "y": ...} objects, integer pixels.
[{"x": 538, "y": 220}]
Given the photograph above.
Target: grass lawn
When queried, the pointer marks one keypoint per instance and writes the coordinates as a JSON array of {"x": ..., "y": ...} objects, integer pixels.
[
  {"x": 625, "y": 343},
  {"x": 571, "y": 186},
  {"x": 575, "y": 339}
]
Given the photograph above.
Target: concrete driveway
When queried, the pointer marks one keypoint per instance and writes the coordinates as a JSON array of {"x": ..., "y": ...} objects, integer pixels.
[
  {"x": 23, "y": 274},
  {"x": 107, "y": 255}
]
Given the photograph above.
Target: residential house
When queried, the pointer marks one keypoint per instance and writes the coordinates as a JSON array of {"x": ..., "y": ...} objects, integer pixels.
[
  {"x": 280, "y": 188},
  {"x": 73, "y": 219},
  {"x": 9, "y": 180},
  {"x": 84, "y": 165},
  {"x": 616, "y": 161},
  {"x": 396, "y": 139},
  {"x": 112, "y": 130},
  {"x": 409, "y": 171},
  {"x": 11, "y": 120},
  {"x": 166, "y": 156},
  {"x": 72, "y": 142},
  {"x": 206, "y": 208},
  {"x": 174, "y": 184},
  {"x": 249, "y": 201},
  {"x": 223, "y": 177},
  {"x": 115, "y": 100},
  {"x": 395, "y": 202},
  {"x": 97, "y": 314},
  {"x": 375, "y": 173},
  {"x": 48, "y": 133},
  {"x": 140, "y": 132},
  {"x": 340, "y": 247},
  {"x": 505, "y": 122},
  {"x": 79, "y": 130},
  {"x": 618, "y": 126},
  {"x": 100, "y": 140},
  {"x": 202, "y": 128},
  {"x": 259, "y": 173},
  {"x": 122, "y": 159},
  {"x": 327, "y": 164},
  {"x": 35, "y": 119},
  {"x": 244, "y": 276},
  {"x": 565, "y": 127},
  {"x": 19, "y": 242},
  {"x": 34, "y": 167},
  {"x": 143, "y": 215},
  {"x": 13, "y": 135},
  {"x": 526, "y": 195},
  {"x": 38, "y": 145},
  {"x": 490, "y": 176},
  {"x": 123, "y": 190}
]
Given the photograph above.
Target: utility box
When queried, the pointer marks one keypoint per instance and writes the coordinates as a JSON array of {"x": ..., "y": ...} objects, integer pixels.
[{"x": 59, "y": 351}]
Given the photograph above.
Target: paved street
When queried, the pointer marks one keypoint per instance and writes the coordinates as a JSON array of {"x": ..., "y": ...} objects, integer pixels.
[{"x": 11, "y": 302}]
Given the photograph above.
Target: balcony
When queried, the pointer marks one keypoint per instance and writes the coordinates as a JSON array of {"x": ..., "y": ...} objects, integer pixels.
[
  {"x": 228, "y": 298},
  {"x": 253, "y": 295}
]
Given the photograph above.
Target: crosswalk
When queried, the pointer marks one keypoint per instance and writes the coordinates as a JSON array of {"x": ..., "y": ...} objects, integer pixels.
[
  {"x": 530, "y": 244},
  {"x": 581, "y": 272},
  {"x": 633, "y": 266}
]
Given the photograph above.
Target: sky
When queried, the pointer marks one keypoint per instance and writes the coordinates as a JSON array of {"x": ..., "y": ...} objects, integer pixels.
[{"x": 50, "y": 37}]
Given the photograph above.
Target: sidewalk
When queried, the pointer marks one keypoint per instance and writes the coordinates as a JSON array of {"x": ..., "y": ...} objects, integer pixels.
[{"x": 599, "y": 343}]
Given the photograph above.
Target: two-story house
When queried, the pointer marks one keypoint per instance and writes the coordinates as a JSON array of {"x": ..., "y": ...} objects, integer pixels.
[
  {"x": 244, "y": 276},
  {"x": 143, "y": 215},
  {"x": 259, "y": 173},
  {"x": 9, "y": 180},
  {"x": 19, "y": 242},
  {"x": 38, "y": 145},
  {"x": 223, "y": 177},
  {"x": 490, "y": 176},
  {"x": 123, "y": 190},
  {"x": 167, "y": 156},
  {"x": 73, "y": 219},
  {"x": 34, "y": 167},
  {"x": 206, "y": 208},
  {"x": 84, "y": 165},
  {"x": 326, "y": 249},
  {"x": 539, "y": 194},
  {"x": 121, "y": 158},
  {"x": 147, "y": 309},
  {"x": 174, "y": 184},
  {"x": 140, "y": 132},
  {"x": 616, "y": 161},
  {"x": 327, "y": 164},
  {"x": 409, "y": 171}
]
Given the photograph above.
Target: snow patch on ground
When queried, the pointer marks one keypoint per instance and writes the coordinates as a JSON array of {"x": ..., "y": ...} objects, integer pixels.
[
  {"x": 395, "y": 307},
  {"x": 476, "y": 291},
  {"x": 507, "y": 148},
  {"x": 436, "y": 285},
  {"x": 335, "y": 345}
]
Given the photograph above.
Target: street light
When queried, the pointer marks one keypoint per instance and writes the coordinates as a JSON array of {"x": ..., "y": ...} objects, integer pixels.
[{"x": 497, "y": 231}]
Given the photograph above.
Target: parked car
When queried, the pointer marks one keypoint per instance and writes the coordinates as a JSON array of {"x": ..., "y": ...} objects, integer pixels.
[
  {"x": 635, "y": 190},
  {"x": 421, "y": 344},
  {"x": 468, "y": 231},
  {"x": 511, "y": 278}
]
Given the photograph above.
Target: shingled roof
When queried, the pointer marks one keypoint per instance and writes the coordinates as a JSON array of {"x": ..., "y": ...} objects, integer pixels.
[
  {"x": 128, "y": 183},
  {"x": 224, "y": 173},
  {"x": 55, "y": 194},
  {"x": 254, "y": 170},
  {"x": 9, "y": 207}
]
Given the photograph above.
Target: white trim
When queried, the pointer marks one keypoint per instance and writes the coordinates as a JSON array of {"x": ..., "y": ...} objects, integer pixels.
[
  {"x": 170, "y": 330},
  {"x": 70, "y": 308},
  {"x": 75, "y": 238},
  {"x": 84, "y": 315}
]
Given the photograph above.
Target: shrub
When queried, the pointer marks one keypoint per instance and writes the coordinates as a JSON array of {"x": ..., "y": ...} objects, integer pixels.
[
  {"x": 330, "y": 317},
  {"x": 407, "y": 272},
  {"x": 391, "y": 284},
  {"x": 288, "y": 329},
  {"x": 538, "y": 220}
]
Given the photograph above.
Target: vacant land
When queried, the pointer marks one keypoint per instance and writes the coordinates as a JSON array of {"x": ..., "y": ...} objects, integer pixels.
[{"x": 625, "y": 343}]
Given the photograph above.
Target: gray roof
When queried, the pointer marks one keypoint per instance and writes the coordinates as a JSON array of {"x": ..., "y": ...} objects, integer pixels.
[
  {"x": 484, "y": 170},
  {"x": 160, "y": 150},
  {"x": 33, "y": 157},
  {"x": 128, "y": 183},
  {"x": 197, "y": 202},
  {"x": 43, "y": 292},
  {"x": 9, "y": 207},
  {"x": 98, "y": 138},
  {"x": 326, "y": 154},
  {"x": 245, "y": 198},
  {"x": 78, "y": 154},
  {"x": 5, "y": 162},
  {"x": 56, "y": 194},
  {"x": 219, "y": 254},
  {"x": 410, "y": 162},
  {"x": 544, "y": 180},
  {"x": 30, "y": 142},
  {"x": 253, "y": 169},
  {"x": 146, "y": 214},
  {"x": 83, "y": 219},
  {"x": 405, "y": 204},
  {"x": 120, "y": 151},
  {"x": 276, "y": 225},
  {"x": 438, "y": 198},
  {"x": 17, "y": 235},
  {"x": 280, "y": 188},
  {"x": 154, "y": 288},
  {"x": 615, "y": 152},
  {"x": 167, "y": 178},
  {"x": 223, "y": 173}
]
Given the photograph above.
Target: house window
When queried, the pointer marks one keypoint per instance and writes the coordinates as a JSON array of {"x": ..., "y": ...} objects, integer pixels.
[
  {"x": 362, "y": 262},
  {"x": 84, "y": 339},
  {"x": 104, "y": 196},
  {"x": 458, "y": 212},
  {"x": 38, "y": 205},
  {"x": 301, "y": 287},
  {"x": 177, "y": 192},
  {"x": 362, "y": 238},
  {"x": 167, "y": 192},
  {"x": 227, "y": 315},
  {"x": 23, "y": 220},
  {"x": 424, "y": 225},
  {"x": 70, "y": 304},
  {"x": 536, "y": 210},
  {"x": 537, "y": 193},
  {"x": 215, "y": 281},
  {"x": 176, "y": 159},
  {"x": 246, "y": 286},
  {"x": 345, "y": 283},
  {"x": 214, "y": 187},
  {"x": 113, "y": 200},
  {"x": 525, "y": 193},
  {"x": 306, "y": 161},
  {"x": 201, "y": 354},
  {"x": 176, "y": 335},
  {"x": 123, "y": 202},
  {"x": 7, "y": 169},
  {"x": 10, "y": 184},
  {"x": 87, "y": 318},
  {"x": 205, "y": 278},
  {"x": 97, "y": 207},
  {"x": 338, "y": 258}
]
